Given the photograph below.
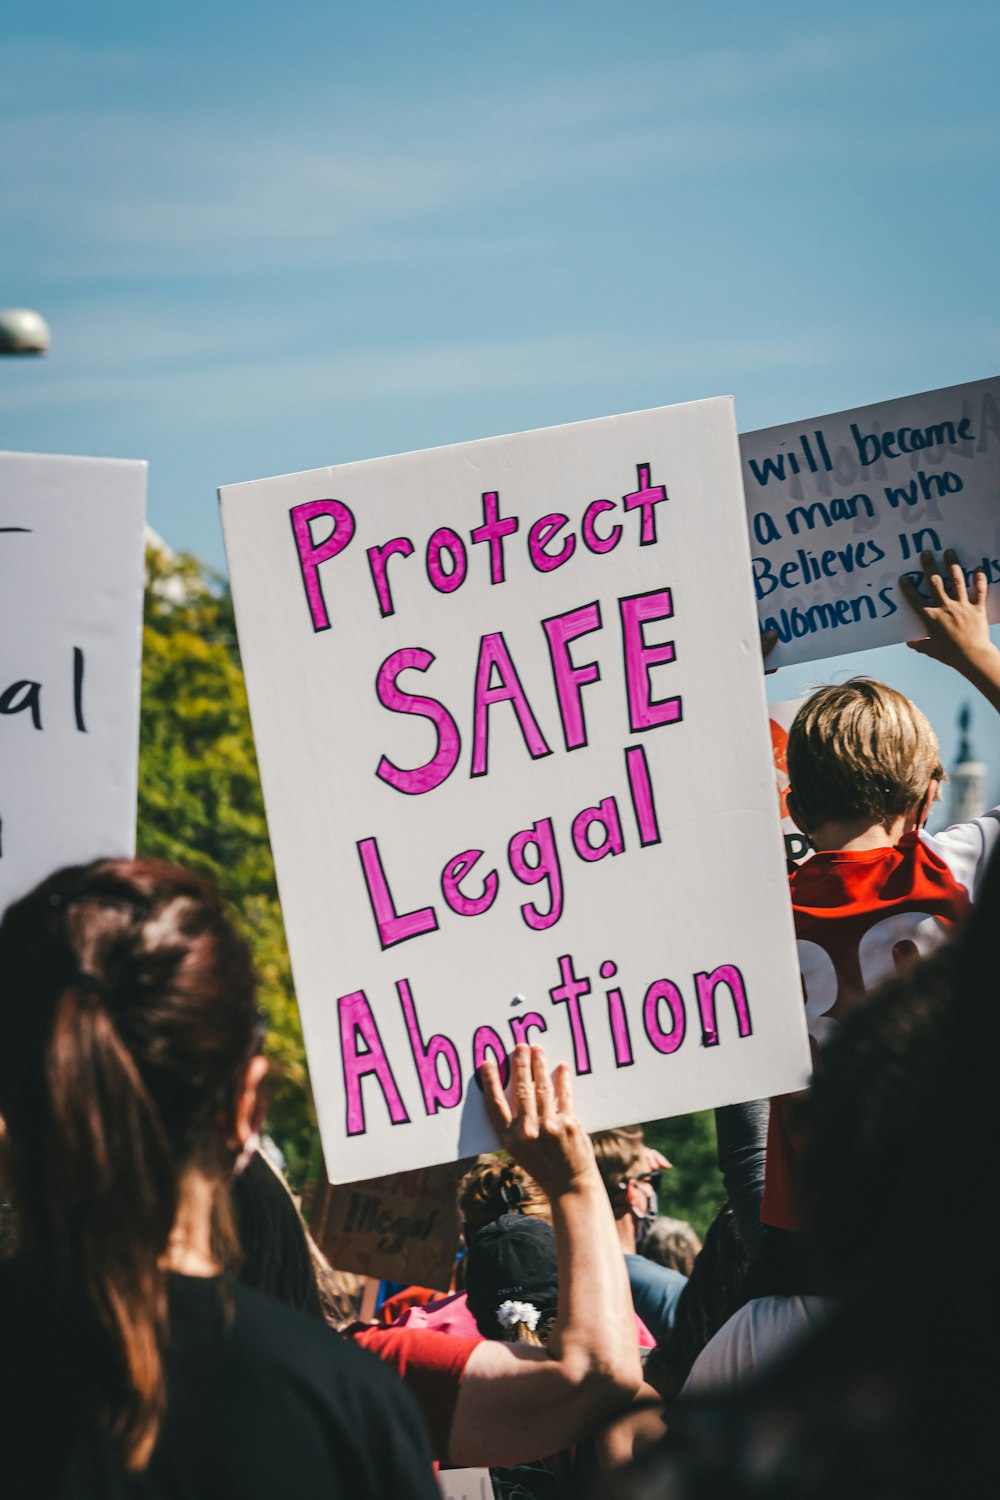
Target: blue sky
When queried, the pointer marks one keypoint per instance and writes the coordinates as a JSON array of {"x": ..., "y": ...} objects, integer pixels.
[{"x": 272, "y": 236}]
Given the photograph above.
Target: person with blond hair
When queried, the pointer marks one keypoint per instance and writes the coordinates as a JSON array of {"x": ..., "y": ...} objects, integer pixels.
[{"x": 864, "y": 771}]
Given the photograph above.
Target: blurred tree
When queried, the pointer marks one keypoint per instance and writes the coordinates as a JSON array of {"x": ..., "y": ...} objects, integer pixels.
[
  {"x": 200, "y": 802},
  {"x": 694, "y": 1189}
]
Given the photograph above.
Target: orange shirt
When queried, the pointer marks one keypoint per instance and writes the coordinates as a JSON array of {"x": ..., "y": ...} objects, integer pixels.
[{"x": 860, "y": 916}]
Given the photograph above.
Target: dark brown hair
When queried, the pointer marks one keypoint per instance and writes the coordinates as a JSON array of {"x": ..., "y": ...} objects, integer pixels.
[
  {"x": 494, "y": 1187},
  {"x": 127, "y": 1016}
]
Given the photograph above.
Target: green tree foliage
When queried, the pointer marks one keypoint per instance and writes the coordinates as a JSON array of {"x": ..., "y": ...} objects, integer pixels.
[
  {"x": 200, "y": 802},
  {"x": 693, "y": 1190}
]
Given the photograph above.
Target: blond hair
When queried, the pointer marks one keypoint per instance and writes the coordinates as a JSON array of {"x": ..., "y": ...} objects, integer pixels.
[
  {"x": 536, "y": 1337},
  {"x": 494, "y": 1187},
  {"x": 618, "y": 1152},
  {"x": 859, "y": 749}
]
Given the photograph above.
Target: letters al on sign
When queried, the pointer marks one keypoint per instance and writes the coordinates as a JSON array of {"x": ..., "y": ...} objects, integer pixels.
[
  {"x": 71, "y": 576},
  {"x": 510, "y": 717}
]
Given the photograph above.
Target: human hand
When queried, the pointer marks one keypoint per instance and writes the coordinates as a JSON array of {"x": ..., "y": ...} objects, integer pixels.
[
  {"x": 541, "y": 1131},
  {"x": 655, "y": 1161},
  {"x": 958, "y": 631}
]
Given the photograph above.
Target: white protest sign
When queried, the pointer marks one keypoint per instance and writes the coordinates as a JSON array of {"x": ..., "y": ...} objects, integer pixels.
[
  {"x": 465, "y": 1484},
  {"x": 71, "y": 578},
  {"x": 509, "y": 712},
  {"x": 840, "y": 506}
]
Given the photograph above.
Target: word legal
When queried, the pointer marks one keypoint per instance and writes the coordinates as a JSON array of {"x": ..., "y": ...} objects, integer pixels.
[{"x": 532, "y": 855}]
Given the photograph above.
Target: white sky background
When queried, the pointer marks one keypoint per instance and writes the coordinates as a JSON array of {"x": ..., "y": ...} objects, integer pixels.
[{"x": 271, "y": 237}]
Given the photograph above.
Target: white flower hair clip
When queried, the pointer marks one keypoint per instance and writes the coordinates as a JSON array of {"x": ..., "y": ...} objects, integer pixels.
[{"x": 509, "y": 1314}]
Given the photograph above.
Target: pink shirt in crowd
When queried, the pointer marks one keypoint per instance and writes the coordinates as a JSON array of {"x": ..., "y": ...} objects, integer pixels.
[{"x": 452, "y": 1315}]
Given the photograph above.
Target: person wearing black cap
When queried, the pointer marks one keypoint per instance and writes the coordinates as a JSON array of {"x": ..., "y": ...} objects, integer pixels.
[{"x": 512, "y": 1280}]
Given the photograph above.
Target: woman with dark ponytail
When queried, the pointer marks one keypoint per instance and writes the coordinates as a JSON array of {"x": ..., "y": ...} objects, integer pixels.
[{"x": 130, "y": 1072}]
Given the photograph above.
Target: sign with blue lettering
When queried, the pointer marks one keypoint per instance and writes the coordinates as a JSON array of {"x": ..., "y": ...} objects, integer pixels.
[
  {"x": 71, "y": 578},
  {"x": 511, "y": 727},
  {"x": 840, "y": 506}
]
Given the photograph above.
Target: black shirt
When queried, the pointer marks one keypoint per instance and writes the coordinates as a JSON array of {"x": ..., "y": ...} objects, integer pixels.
[{"x": 261, "y": 1401}]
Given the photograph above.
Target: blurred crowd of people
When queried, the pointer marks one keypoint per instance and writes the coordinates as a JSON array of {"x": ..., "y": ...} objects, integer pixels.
[{"x": 171, "y": 1329}]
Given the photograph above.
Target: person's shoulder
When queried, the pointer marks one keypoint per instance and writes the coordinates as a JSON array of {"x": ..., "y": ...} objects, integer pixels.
[
  {"x": 41, "y": 1387},
  {"x": 27, "y": 1316},
  {"x": 965, "y": 848},
  {"x": 286, "y": 1334},
  {"x": 259, "y": 1333},
  {"x": 756, "y": 1332},
  {"x": 414, "y": 1350},
  {"x": 652, "y": 1274}
]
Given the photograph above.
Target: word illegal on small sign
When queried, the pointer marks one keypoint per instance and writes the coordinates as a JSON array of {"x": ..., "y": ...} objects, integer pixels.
[
  {"x": 401, "y": 1228},
  {"x": 840, "y": 506},
  {"x": 509, "y": 712},
  {"x": 71, "y": 577}
]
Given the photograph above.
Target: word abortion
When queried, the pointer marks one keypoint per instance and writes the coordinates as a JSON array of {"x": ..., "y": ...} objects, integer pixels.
[
  {"x": 663, "y": 1016},
  {"x": 446, "y": 558}
]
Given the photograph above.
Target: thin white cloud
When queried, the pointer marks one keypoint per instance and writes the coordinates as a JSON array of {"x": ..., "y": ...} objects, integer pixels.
[
  {"x": 268, "y": 389},
  {"x": 94, "y": 190}
]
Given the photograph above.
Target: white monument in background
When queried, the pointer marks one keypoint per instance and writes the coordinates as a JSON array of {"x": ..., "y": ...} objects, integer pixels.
[{"x": 967, "y": 778}]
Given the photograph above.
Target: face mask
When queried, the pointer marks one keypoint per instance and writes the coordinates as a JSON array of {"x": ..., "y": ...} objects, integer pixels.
[{"x": 645, "y": 1221}]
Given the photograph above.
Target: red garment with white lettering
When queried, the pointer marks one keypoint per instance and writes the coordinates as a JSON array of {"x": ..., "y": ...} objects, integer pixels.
[{"x": 860, "y": 915}]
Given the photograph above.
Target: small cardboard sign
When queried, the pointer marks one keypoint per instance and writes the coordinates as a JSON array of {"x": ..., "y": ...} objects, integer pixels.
[
  {"x": 71, "y": 581},
  {"x": 509, "y": 712},
  {"x": 401, "y": 1228},
  {"x": 840, "y": 506}
]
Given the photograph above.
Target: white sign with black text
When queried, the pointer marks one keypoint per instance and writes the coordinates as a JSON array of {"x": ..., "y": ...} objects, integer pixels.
[{"x": 71, "y": 580}]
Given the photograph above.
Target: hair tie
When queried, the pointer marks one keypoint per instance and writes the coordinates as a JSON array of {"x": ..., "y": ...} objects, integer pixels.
[
  {"x": 85, "y": 980},
  {"x": 510, "y": 1192},
  {"x": 509, "y": 1314}
]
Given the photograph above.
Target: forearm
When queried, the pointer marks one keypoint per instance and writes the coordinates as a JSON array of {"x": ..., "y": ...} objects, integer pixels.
[
  {"x": 741, "y": 1133},
  {"x": 982, "y": 669},
  {"x": 594, "y": 1335},
  {"x": 517, "y": 1402}
]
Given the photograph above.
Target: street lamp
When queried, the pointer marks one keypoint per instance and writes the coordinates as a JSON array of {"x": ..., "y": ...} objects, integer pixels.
[{"x": 23, "y": 331}]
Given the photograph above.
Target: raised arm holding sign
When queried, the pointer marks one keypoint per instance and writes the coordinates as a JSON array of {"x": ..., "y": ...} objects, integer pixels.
[{"x": 864, "y": 770}]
